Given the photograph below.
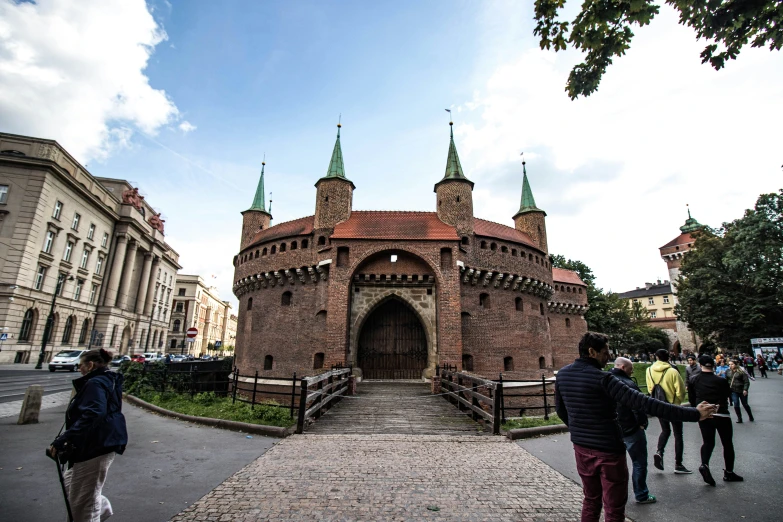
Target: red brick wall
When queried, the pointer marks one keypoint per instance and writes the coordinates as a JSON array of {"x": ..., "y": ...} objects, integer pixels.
[
  {"x": 565, "y": 339},
  {"x": 333, "y": 202},
  {"x": 534, "y": 225},
  {"x": 252, "y": 222},
  {"x": 458, "y": 214}
]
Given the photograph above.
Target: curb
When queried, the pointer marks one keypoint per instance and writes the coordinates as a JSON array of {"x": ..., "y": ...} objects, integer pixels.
[
  {"x": 526, "y": 433},
  {"x": 256, "y": 429}
]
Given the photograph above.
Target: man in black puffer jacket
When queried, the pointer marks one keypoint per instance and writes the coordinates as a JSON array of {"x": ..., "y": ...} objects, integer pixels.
[{"x": 586, "y": 400}]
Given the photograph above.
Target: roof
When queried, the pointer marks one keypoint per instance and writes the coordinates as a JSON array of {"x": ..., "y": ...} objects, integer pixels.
[
  {"x": 259, "y": 200},
  {"x": 378, "y": 224},
  {"x": 482, "y": 227},
  {"x": 528, "y": 203},
  {"x": 682, "y": 239},
  {"x": 453, "y": 166},
  {"x": 297, "y": 227},
  {"x": 561, "y": 275},
  {"x": 659, "y": 289}
]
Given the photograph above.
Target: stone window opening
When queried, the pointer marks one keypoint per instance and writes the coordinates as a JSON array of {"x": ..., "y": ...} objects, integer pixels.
[
  {"x": 484, "y": 302},
  {"x": 304, "y": 243},
  {"x": 537, "y": 261},
  {"x": 84, "y": 332},
  {"x": 68, "y": 330},
  {"x": 429, "y": 291},
  {"x": 483, "y": 245},
  {"x": 269, "y": 362},
  {"x": 539, "y": 230},
  {"x": 356, "y": 289},
  {"x": 263, "y": 251},
  {"x": 514, "y": 252},
  {"x": 321, "y": 240},
  {"x": 467, "y": 363},
  {"x": 504, "y": 249},
  {"x": 318, "y": 361},
  {"x": 508, "y": 364},
  {"x": 285, "y": 300},
  {"x": 568, "y": 322},
  {"x": 457, "y": 199},
  {"x": 250, "y": 303},
  {"x": 343, "y": 256},
  {"x": 445, "y": 258},
  {"x": 518, "y": 304},
  {"x": 465, "y": 240},
  {"x": 568, "y": 289},
  {"x": 580, "y": 290},
  {"x": 493, "y": 247},
  {"x": 274, "y": 249},
  {"x": 257, "y": 254},
  {"x": 415, "y": 278},
  {"x": 531, "y": 257},
  {"x": 282, "y": 247},
  {"x": 294, "y": 245},
  {"x": 173, "y": 344},
  {"x": 541, "y": 308},
  {"x": 541, "y": 363},
  {"x": 440, "y": 203},
  {"x": 326, "y": 198}
]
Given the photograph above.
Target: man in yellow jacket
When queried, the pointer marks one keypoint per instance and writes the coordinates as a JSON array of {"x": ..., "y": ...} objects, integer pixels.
[{"x": 663, "y": 374}]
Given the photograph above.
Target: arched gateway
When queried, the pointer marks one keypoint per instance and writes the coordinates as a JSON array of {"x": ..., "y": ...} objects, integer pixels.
[{"x": 392, "y": 343}]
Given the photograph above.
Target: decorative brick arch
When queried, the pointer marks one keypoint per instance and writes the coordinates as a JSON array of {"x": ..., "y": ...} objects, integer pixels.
[{"x": 402, "y": 247}]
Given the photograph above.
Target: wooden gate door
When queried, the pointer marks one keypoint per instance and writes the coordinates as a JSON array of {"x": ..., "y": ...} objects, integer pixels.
[{"x": 392, "y": 343}]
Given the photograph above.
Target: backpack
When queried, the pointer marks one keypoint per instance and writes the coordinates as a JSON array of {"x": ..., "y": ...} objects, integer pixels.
[{"x": 657, "y": 391}]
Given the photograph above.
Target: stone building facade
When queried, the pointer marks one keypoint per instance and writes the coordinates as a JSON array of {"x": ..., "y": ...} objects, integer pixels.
[
  {"x": 96, "y": 236},
  {"x": 196, "y": 305},
  {"x": 658, "y": 299},
  {"x": 393, "y": 294}
]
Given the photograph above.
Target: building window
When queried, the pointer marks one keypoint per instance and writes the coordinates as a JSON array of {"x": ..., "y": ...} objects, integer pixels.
[
  {"x": 653, "y": 314},
  {"x": 180, "y": 307},
  {"x": 304, "y": 243},
  {"x": 99, "y": 265},
  {"x": 518, "y": 304},
  {"x": 483, "y": 245},
  {"x": 467, "y": 363},
  {"x": 282, "y": 247},
  {"x": 84, "y": 332},
  {"x": 465, "y": 240},
  {"x": 77, "y": 291},
  {"x": 76, "y": 219},
  {"x": 27, "y": 324},
  {"x": 508, "y": 364},
  {"x": 493, "y": 246},
  {"x": 91, "y": 231},
  {"x": 580, "y": 290},
  {"x": 651, "y": 300},
  {"x": 39, "y": 278},
  {"x": 273, "y": 250},
  {"x": 286, "y": 299},
  {"x": 85, "y": 258},
  {"x": 250, "y": 303},
  {"x": 568, "y": 322},
  {"x": 105, "y": 239},
  {"x": 484, "y": 301},
  {"x": 68, "y": 330},
  {"x": 514, "y": 252},
  {"x": 318, "y": 361},
  {"x": 268, "y": 362},
  {"x": 635, "y": 300},
  {"x": 294, "y": 245},
  {"x": 321, "y": 240},
  {"x": 3, "y": 194},
  {"x": 68, "y": 251},
  {"x": 93, "y": 291},
  {"x": 48, "y": 242},
  {"x": 541, "y": 363},
  {"x": 58, "y": 208},
  {"x": 445, "y": 258},
  {"x": 541, "y": 308},
  {"x": 176, "y": 325},
  {"x": 173, "y": 344},
  {"x": 181, "y": 291},
  {"x": 343, "y": 256},
  {"x": 530, "y": 257},
  {"x": 666, "y": 299},
  {"x": 257, "y": 253}
]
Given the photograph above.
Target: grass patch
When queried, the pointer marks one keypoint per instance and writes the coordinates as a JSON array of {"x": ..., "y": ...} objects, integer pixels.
[
  {"x": 531, "y": 422},
  {"x": 215, "y": 407}
]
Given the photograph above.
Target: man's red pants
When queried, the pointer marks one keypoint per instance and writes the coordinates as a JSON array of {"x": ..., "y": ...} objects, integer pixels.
[{"x": 604, "y": 480}]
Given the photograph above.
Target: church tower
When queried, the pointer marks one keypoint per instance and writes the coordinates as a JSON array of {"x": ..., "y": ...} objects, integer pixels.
[
  {"x": 530, "y": 219},
  {"x": 256, "y": 217},
  {"x": 454, "y": 193},
  {"x": 334, "y": 192}
]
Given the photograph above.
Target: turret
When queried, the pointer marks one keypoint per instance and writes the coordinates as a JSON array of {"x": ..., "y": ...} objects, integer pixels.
[
  {"x": 334, "y": 196},
  {"x": 256, "y": 217},
  {"x": 454, "y": 193},
  {"x": 530, "y": 219}
]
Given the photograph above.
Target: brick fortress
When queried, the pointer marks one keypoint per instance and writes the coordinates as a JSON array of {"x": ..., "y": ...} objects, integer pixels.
[{"x": 394, "y": 294}]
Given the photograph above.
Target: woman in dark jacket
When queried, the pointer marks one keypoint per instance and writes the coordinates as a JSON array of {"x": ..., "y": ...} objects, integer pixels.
[{"x": 94, "y": 432}]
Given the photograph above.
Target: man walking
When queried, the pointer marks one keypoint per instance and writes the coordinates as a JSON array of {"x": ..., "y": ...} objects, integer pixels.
[
  {"x": 692, "y": 369},
  {"x": 739, "y": 383},
  {"x": 663, "y": 374},
  {"x": 586, "y": 399},
  {"x": 634, "y": 423},
  {"x": 709, "y": 387}
]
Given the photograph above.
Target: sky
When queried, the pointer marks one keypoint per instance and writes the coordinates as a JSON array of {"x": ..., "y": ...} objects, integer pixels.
[{"x": 185, "y": 98}]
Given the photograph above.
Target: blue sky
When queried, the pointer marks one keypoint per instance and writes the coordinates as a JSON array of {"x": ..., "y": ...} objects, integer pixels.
[{"x": 184, "y": 98}]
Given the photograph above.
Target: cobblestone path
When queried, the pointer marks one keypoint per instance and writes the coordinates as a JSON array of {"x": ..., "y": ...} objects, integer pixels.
[
  {"x": 392, "y": 477},
  {"x": 395, "y": 408}
]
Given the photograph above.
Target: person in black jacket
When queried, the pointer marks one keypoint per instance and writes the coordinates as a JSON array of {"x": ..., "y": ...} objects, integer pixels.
[
  {"x": 94, "y": 432},
  {"x": 634, "y": 423},
  {"x": 706, "y": 386},
  {"x": 586, "y": 399}
]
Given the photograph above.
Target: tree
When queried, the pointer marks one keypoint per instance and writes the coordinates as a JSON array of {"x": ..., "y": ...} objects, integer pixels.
[
  {"x": 730, "y": 287},
  {"x": 603, "y": 30}
]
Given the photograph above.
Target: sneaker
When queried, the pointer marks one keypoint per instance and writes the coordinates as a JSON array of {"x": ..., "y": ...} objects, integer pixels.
[
  {"x": 751, "y": 419},
  {"x": 730, "y": 476},
  {"x": 658, "y": 461},
  {"x": 707, "y": 476},
  {"x": 739, "y": 421},
  {"x": 681, "y": 470},
  {"x": 649, "y": 500}
]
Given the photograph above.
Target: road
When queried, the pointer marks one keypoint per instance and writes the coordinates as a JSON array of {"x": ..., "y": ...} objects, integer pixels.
[
  {"x": 686, "y": 498},
  {"x": 13, "y": 383}
]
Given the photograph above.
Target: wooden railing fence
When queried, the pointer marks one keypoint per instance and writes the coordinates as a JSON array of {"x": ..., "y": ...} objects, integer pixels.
[
  {"x": 480, "y": 398},
  {"x": 319, "y": 393}
]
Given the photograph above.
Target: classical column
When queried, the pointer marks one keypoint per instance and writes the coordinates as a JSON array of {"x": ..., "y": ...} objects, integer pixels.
[
  {"x": 141, "y": 295},
  {"x": 151, "y": 286},
  {"x": 127, "y": 274},
  {"x": 116, "y": 271}
]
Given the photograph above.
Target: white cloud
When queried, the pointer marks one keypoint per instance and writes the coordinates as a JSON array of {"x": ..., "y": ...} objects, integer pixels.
[
  {"x": 615, "y": 170},
  {"x": 186, "y": 127},
  {"x": 74, "y": 72}
]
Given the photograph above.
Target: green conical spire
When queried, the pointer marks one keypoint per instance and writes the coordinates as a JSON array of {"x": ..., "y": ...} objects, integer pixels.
[
  {"x": 453, "y": 166},
  {"x": 691, "y": 225},
  {"x": 336, "y": 167},
  {"x": 528, "y": 203},
  {"x": 259, "y": 200}
]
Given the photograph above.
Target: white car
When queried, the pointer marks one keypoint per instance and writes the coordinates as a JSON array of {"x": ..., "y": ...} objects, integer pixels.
[
  {"x": 152, "y": 357},
  {"x": 66, "y": 360}
]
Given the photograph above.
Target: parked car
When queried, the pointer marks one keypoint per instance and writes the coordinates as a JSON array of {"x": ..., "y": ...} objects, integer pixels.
[
  {"x": 179, "y": 358},
  {"x": 153, "y": 356},
  {"x": 138, "y": 358},
  {"x": 66, "y": 360},
  {"x": 118, "y": 360}
]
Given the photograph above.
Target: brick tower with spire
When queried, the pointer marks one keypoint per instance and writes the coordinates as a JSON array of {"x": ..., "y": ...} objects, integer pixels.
[
  {"x": 529, "y": 218},
  {"x": 334, "y": 196},
  {"x": 256, "y": 217},
  {"x": 455, "y": 193}
]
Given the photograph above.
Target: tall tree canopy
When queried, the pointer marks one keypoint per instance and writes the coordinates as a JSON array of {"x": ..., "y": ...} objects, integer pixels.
[
  {"x": 603, "y": 30},
  {"x": 730, "y": 287}
]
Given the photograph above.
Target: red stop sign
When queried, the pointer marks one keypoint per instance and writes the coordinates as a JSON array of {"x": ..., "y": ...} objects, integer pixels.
[{"x": 192, "y": 332}]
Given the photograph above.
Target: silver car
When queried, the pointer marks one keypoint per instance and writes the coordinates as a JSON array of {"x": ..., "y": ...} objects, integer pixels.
[{"x": 66, "y": 360}]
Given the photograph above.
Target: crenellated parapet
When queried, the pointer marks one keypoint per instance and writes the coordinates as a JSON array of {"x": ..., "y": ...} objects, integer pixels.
[
  {"x": 512, "y": 282},
  {"x": 279, "y": 278},
  {"x": 567, "y": 308}
]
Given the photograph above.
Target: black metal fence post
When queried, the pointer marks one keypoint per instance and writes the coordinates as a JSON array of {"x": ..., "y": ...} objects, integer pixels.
[
  {"x": 234, "y": 388},
  {"x": 497, "y": 410},
  {"x": 302, "y": 407},
  {"x": 192, "y": 381},
  {"x": 163, "y": 385},
  {"x": 499, "y": 396},
  {"x": 546, "y": 406},
  {"x": 255, "y": 385},
  {"x": 293, "y": 394}
]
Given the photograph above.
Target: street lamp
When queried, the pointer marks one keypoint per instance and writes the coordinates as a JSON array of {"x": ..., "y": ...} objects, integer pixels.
[{"x": 50, "y": 321}]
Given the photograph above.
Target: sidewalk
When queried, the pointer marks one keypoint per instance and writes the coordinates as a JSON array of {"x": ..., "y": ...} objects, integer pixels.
[{"x": 10, "y": 409}]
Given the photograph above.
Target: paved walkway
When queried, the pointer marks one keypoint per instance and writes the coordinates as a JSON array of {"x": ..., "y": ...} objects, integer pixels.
[
  {"x": 392, "y": 477},
  {"x": 395, "y": 408},
  {"x": 12, "y": 408}
]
